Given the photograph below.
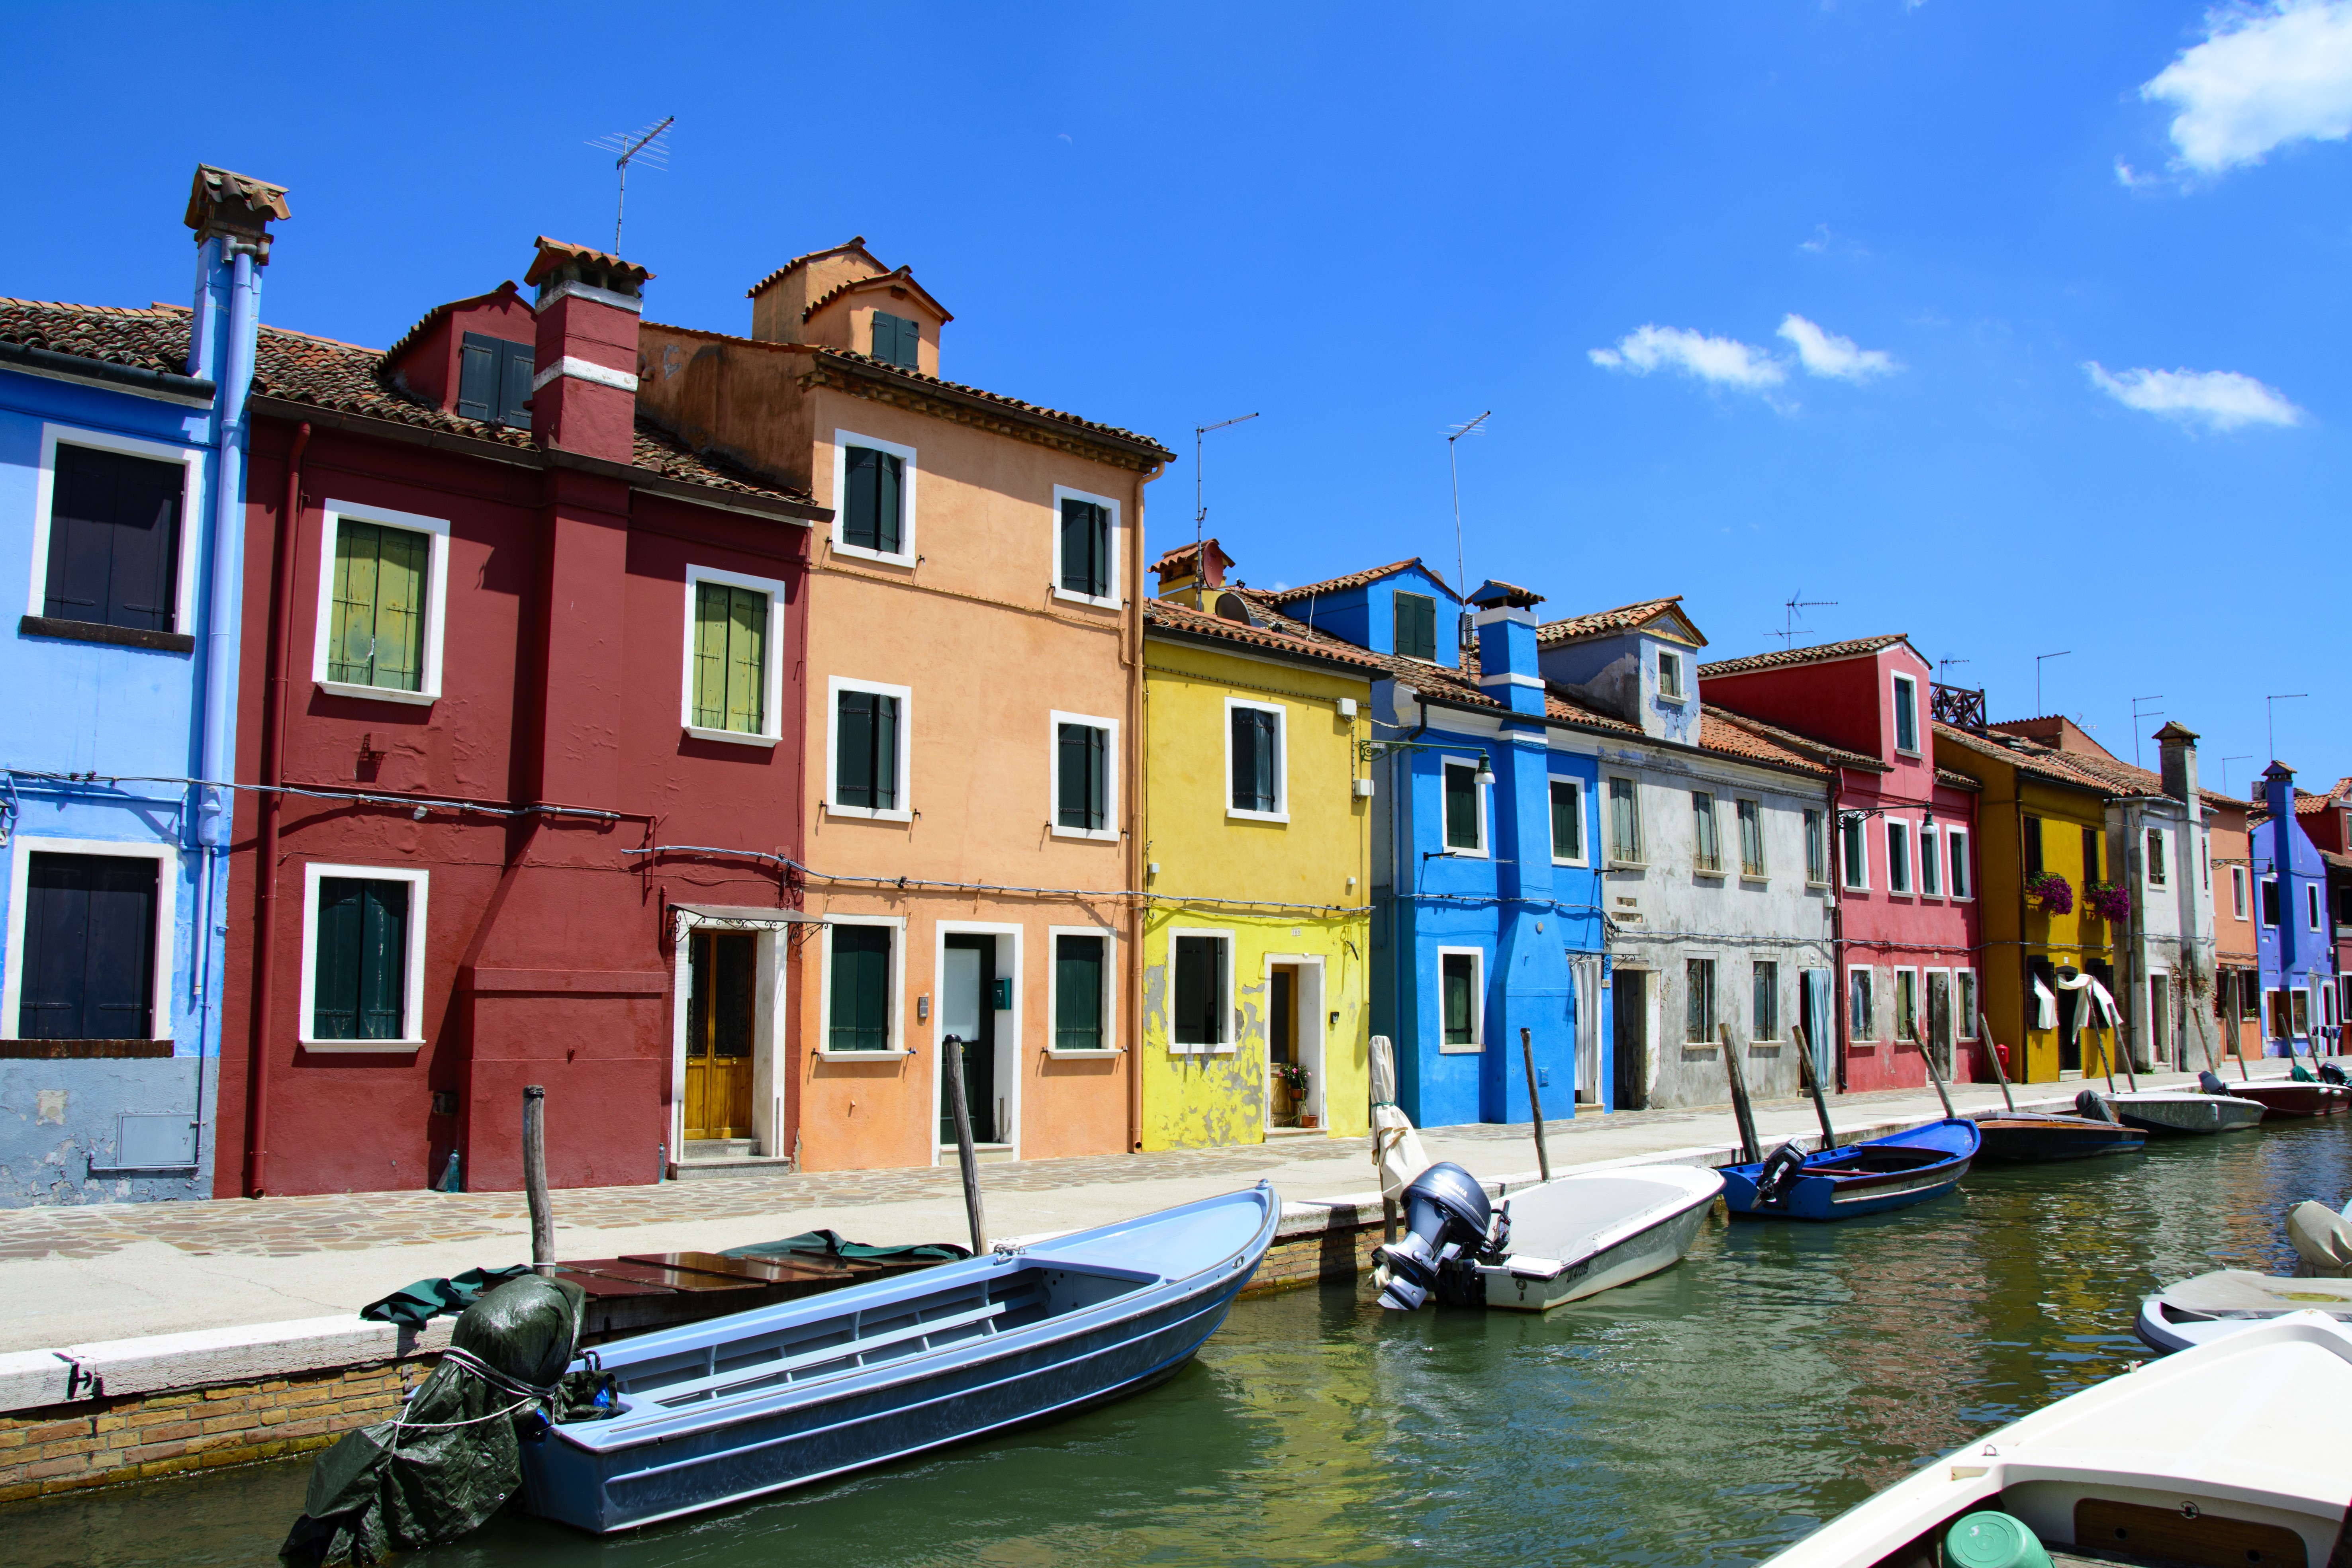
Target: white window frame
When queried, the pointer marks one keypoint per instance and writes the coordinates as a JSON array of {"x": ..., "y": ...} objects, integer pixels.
[
  {"x": 1779, "y": 1023},
  {"x": 411, "y": 990},
  {"x": 1930, "y": 867},
  {"x": 1109, "y": 835},
  {"x": 1583, "y": 818},
  {"x": 1477, "y": 1001},
  {"x": 824, "y": 1051},
  {"x": 1714, "y": 824},
  {"x": 192, "y": 491},
  {"x": 1281, "y": 812},
  {"x": 905, "y": 812},
  {"x": 1669, "y": 659},
  {"x": 1485, "y": 833},
  {"x": 842, "y": 441},
  {"x": 1109, "y": 984},
  {"x": 1907, "y": 698},
  {"x": 1854, "y": 870},
  {"x": 1716, "y": 963},
  {"x": 23, "y": 847},
  {"x": 1825, "y": 819},
  {"x": 1901, "y": 825},
  {"x": 2154, "y": 866},
  {"x": 1855, "y": 1030},
  {"x": 2240, "y": 906},
  {"x": 1232, "y": 1023},
  {"x": 1763, "y": 872},
  {"x": 771, "y": 675},
  {"x": 1609, "y": 822},
  {"x": 1965, "y": 980},
  {"x": 1112, "y": 600},
  {"x": 2311, "y": 901},
  {"x": 437, "y": 601},
  {"x": 1956, "y": 841},
  {"x": 2271, "y": 881}
]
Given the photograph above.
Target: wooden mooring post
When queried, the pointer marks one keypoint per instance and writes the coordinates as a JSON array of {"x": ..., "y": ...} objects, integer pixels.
[
  {"x": 966, "y": 1156},
  {"x": 534, "y": 1177},
  {"x": 1740, "y": 1110},
  {"x": 1993, "y": 1050},
  {"x": 1813, "y": 1084},
  {"x": 1928, "y": 1055},
  {"x": 1535, "y": 1101}
]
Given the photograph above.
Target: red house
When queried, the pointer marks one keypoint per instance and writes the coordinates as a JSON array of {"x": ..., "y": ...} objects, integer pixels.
[
  {"x": 1900, "y": 859},
  {"x": 503, "y": 639}
]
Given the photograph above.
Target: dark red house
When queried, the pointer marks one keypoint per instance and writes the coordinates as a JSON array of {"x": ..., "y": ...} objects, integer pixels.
[
  {"x": 502, "y": 640},
  {"x": 1899, "y": 861}
]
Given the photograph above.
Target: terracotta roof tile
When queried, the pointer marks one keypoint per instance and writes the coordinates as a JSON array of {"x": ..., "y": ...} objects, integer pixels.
[
  {"x": 152, "y": 338},
  {"x": 1341, "y": 585},
  {"x": 1624, "y": 618},
  {"x": 904, "y": 278},
  {"x": 1791, "y": 739},
  {"x": 1279, "y": 639},
  {"x": 2028, "y": 756},
  {"x": 1820, "y": 654},
  {"x": 856, "y": 242},
  {"x": 1722, "y": 732},
  {"x": 554, "y": 253}
]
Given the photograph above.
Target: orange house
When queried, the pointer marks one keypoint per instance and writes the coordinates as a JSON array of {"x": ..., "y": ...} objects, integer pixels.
[{"x": 974, "y": 645}]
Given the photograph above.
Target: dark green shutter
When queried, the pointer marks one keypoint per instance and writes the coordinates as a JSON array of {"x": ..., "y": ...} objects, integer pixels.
[
  {"x": 1077, "y": 993},
  {"x": 114, "y": 540},
  {"x": 1457, "y": 1000},
  {"x": 1567, "y": 822},
  {"x": 1257, "y": 760},
  {"x": 859, "y": 1007},
  {"x": 875, "y": 482},
  {"x": 478, "y": 376},
  {"x": 383, "y": 951},
  {"x": 514, "y": 384},
  {"x": 1085, "y": 548},
  {"x": 1080, "y": 794},
  {"x": 1200, "y": 990},
  {"x": 335, "y": 987},
  {"x": 360, "y": 984},
  {"x": 1461, "y": 807},
  {"x": 854, "y": 751},
  {"x": 1416, "y": 626},
  {"x": 886, "y": 753},
  {"x": 889, "y": 476}
]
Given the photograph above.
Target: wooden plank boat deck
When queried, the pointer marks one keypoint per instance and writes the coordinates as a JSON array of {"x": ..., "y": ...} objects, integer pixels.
[{"x": 641, "y": 1291}]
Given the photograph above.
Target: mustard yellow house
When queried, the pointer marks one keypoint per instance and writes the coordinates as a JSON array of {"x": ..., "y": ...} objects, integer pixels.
[{"x": 1256, "y": 814}]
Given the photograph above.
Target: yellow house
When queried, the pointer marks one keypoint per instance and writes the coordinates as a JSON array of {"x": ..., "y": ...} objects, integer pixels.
[
  {"x": 2040, "y": 821},
  {"x": 1258, "y": 925}
]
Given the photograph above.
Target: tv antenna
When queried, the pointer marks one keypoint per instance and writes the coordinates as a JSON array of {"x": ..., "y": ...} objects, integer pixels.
[
  {"x": 647, "y": 147},
  {"x": 1795, "y": 607},
  {"x": 1944, "y": 664},
  {"x": 1200, "y": 506},
  {"x": 2137, "y": 716},
  {"x": 2240, "y": 757},
  {"x": 2270, "y": 717},
  {"x": 2038, "y": 659},
  {"x": 1461, "y": 584}
]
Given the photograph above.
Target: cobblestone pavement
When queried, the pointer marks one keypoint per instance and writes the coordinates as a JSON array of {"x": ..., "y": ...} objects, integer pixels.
[{"x": 286, "y": 1227}]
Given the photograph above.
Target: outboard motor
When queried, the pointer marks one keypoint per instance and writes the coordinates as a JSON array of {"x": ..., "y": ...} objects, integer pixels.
[
  {"x": 1772, "y": 1177},
  {"x": 2330, "y": 1073},
  {"x": 2209, "y": 1082},
  {"x": 1446, "y": 1216},
  {"x": 2090, "y": 1107}
]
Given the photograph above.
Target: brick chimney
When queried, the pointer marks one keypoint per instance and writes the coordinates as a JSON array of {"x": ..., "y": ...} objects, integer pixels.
[
  {"x": 1187, "y": 573},
  {"x": 1508, "y": 668},
  {"x": 584, "y": 372},
  {"x": 2179, "y": 764}
]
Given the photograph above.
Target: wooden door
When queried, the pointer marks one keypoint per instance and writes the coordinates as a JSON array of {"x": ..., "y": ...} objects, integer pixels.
[
  {"x": 1632, "y": 1020},
  {"x": 721, "y": 967}
]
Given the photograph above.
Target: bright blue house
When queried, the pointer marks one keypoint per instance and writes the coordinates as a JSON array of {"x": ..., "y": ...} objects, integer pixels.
[
  {"x": 1485, "y": 884},
  {"x": 2295, "y": 937},
  {"x": 121, "y": 440}
]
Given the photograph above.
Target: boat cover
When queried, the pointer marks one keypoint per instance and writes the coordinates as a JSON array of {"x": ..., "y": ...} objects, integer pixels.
[
  {"x": 1396, "y": 1147},
  {"x": 2323, "y": 1239},
  {"x": 2235, "y": 1290},
  {"x": 1572, "y": 1218}
]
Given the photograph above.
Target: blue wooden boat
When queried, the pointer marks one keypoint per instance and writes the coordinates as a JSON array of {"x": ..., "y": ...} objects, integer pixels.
[
  {"x": 718, "y": 1411},
  {"x": 1890, "y": 1172}
]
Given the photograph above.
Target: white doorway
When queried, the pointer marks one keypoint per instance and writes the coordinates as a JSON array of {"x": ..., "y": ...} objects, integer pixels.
[{"x": 1294, "y": 1032}]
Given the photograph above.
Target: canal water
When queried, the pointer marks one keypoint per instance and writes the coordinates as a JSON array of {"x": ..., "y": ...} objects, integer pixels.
[{"x": 1707, "y": 1416}]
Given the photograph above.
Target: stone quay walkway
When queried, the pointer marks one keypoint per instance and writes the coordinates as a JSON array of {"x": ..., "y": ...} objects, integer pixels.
[{"x": 105, "y": 1271}]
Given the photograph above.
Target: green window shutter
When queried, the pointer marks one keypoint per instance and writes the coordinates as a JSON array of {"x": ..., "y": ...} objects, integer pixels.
[
  {"x": 890, "y": 474},
  {"x": 335, "y": 979},
  {"x": 1459, "y": 1001},
  {"x": 1257, "y": 762},
  {"x": 478, "y": 376},
  {"x": 897, "y": 341},
  {"x": 1079, "y": 794},
  {"x": 351, "y": 641},
  {"x": 710, "y": 606},
  {"x": 1461, "y": 807},
  {"x": 886, "y": 753},
  {"x": 854, "y": 751},
  {"x": 858, "y": 1011},
  {"x": 1077, "y": 993},
  {"x": 857, "y": 524},
  {"x": 376, "y": 628},
  {"x": 1416, "y": 626},
  {"x": 1200, "y": 991},
  {"x": 1085, "y": 548},
  {"x": 383, "y": 953},
  {"x": 514, "y": 384},
  {"x": 747, "y": 666},
  {"x": 1567, "y": 821}
]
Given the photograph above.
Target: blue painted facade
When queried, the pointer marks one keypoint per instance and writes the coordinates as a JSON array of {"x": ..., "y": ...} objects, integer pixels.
[
  {"x": 106, "y": 731},
  {"x": 1503, "y": 903},
  {"x": 2298, "y": 953}
]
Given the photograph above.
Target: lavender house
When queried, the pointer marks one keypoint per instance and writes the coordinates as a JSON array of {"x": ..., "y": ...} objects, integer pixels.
[{"x": 2294, "y": 937}]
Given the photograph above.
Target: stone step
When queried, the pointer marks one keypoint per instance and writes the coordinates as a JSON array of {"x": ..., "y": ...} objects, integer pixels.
[
  {"x": 987, "y": 1153},
  {"x": 707, "y": 1168},
  {"x": 1272, "y": 1133},
  {"x": 717, "y": 1148}
]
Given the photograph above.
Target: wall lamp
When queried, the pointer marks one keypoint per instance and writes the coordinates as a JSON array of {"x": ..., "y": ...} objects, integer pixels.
[{"x": 1369, "y": 750}]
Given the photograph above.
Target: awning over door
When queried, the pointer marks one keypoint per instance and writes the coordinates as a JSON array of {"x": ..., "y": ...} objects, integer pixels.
[{"x": 741, "y": 917}]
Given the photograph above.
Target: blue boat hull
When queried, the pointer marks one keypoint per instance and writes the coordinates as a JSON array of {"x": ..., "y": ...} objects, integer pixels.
[
  {"x": 1873, "y": 1177},
  {"x": 603, "y": 1480}
]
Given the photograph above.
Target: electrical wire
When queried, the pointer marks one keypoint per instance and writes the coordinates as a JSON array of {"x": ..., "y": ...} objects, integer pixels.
[{"x": 430, "y": 803}]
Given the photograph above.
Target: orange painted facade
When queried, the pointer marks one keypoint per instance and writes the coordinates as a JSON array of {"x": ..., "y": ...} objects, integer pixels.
[
  {"x": 967, "y": 627},
  {"x": 2234, "y": 897}
]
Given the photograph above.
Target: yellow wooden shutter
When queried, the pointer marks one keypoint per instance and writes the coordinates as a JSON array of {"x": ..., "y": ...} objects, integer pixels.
[
  {"x": 350, "y": 637},
  {"x": 400, "y": 610},
  {"x": 747, "y": 643},
  {"x": 711, "y": 603}
]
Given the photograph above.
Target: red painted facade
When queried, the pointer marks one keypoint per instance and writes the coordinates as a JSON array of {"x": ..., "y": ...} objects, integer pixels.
[
  {"x": 554, "y": 748},
  {"x": 1848, "y": 702}
]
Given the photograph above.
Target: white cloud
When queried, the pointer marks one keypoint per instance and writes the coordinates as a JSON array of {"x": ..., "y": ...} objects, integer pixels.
[
  {"x": 2220, "y": 399},
  {"x": 2265, "y": 75},
  {"x": 1828, "y": 354},
  {"x": 1726, "y": 362}
]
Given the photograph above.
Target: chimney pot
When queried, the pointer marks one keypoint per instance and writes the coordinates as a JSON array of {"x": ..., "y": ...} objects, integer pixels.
[{"x": 583, "y": 376}]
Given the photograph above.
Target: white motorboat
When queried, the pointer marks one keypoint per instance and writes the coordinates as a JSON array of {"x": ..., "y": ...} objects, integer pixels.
[
  {"x": 1583, "y": 1234},
  {"x": 2228, "y": 1452},
  {"x": 2231, "y": 1301},
  {"x": 2183, "y": 1110}
]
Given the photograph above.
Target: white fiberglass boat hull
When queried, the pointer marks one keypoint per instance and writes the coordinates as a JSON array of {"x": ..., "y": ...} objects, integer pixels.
[
  {"x": 1585, "y": 1234},
  {"x": 2158, "y": 1110},
  {"x": 2232, "y": 1301},
  {"x": 2238, "y": 1443}
]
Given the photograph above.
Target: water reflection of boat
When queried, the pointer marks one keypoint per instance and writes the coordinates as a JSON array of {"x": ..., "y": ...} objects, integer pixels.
[
  {"x": 1581, "y": 1234},
  {"x": 1890, "y": 1172},
  {"x": 2228, "y": 1452},
  {"x": 733, "y": 1407},
  {"x": 2231, "y": 1301}
]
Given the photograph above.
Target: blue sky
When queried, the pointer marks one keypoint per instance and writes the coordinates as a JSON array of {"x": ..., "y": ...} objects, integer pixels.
[{"x": 1369, "y": 224}]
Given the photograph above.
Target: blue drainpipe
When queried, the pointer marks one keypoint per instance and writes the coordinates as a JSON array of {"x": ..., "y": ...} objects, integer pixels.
[{"x": 216, "y": 811}]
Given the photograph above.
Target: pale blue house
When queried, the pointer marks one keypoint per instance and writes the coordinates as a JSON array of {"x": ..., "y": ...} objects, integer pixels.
[{"x": 121, "y": 502}]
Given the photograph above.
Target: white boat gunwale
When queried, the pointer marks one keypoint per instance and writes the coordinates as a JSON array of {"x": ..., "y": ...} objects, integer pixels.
[{"x": 1701, "y": 1187}]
